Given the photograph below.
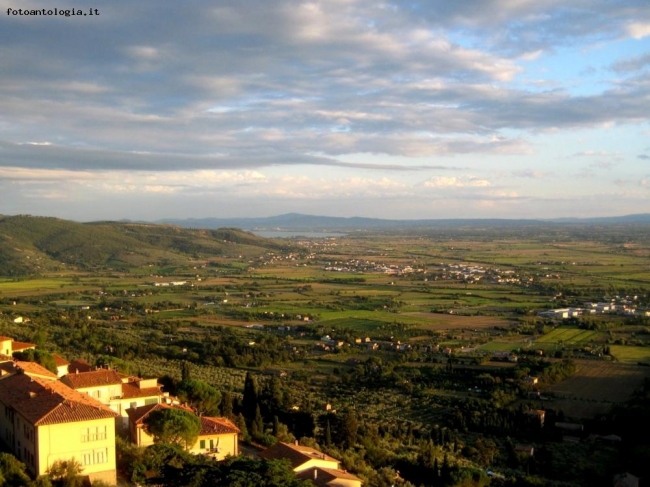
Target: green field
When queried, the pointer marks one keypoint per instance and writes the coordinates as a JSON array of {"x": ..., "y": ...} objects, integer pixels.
[
  {"x": 630, "y": 354},
  {"x": 569, "y": 336}
]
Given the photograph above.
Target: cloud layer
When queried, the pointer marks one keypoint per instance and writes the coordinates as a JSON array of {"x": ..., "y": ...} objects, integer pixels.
[{"x": 363, "y": 98}]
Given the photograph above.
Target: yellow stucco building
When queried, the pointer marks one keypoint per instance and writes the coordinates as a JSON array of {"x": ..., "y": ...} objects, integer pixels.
[
  {"x": 218, "y": 436},
  {"x": 117, "y": 391},
  {"x": 42, "y": 420}
]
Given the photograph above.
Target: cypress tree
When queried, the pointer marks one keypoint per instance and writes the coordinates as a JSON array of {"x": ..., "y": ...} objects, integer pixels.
[
  {"x": 250, "y": 401},
  {"x": 226, "y": 405},
  {"x": 186, "y": 373}
]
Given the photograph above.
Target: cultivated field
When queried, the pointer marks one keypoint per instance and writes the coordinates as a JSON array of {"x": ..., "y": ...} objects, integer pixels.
[{"x": 595, "y": 387}]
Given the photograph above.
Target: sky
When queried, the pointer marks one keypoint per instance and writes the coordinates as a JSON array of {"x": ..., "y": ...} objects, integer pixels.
[{"x": 408, "y": 109}]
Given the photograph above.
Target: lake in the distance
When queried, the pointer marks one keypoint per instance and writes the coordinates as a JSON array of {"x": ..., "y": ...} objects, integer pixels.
[{"x": 295, "y": 233}]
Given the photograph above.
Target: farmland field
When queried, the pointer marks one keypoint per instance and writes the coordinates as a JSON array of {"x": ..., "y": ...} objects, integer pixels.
[
  {"x": 629, "y": 354},
  {"x": 569, "y": 336},
  {"x": 595, "y": 387}
]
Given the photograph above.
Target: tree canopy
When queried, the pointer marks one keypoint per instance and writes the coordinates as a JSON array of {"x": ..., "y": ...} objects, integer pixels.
[{"x": 173, "y": 426}]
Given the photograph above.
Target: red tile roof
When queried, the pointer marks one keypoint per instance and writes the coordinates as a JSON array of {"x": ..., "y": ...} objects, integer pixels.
[
  {"x": 32, "y": 368},
  {"x": 19, "y": 346},
  {"x": 29, "y": 368},
  {"x": 138, "y": 415},
  {"x": 96, "y": 378},
  {"x": 79, "y": 365},
  {"x": 296, "y": 454},
  {"x": 217, "y": 426},
  {"x": 131, "y": 391},
  {"x": 45, "y": 401},
  {"x": 59, "y": 361},
  {"x": 326, "y": 475}
]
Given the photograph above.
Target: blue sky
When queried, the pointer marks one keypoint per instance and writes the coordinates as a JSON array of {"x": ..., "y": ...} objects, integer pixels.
[{"x": 418, "y": 109}]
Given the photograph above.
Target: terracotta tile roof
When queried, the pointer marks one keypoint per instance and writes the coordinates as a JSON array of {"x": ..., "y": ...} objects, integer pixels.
[
  {"x": 32, "y": 368},
  {"x": 296, "y": 454},
  {"x": 19, "y": 346},
  {"x": 29, "y": 368},
  {"x": 96, "y": 378},
  {"x": 217, "y": 426},
  {"x": 46, "y": 401},
  {"x": 4, "y": 338},
  {"x": 79, "y": 365},
  {"x": 138, "y": 415},
  {"x": 326, "y": 475},
  {"x": 59, "y": 361},
  {"x": 132, "y": 391}
]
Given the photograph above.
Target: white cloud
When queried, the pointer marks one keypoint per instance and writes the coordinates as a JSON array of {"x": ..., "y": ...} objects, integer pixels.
[
  {"x": 639, "y": 30},
  {"x": 456, "y": 182}
]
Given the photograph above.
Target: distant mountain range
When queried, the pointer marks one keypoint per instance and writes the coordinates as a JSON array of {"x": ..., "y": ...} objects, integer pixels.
[{"x": 297, "y": 221}]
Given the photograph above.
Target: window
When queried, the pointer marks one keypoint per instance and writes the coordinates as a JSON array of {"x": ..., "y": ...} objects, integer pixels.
[
  {"x": 202, "y": 444},
  {"x": 100, "y": 456},
  {"x": 92, "y": 457},
  {"x": 86, "y": 458},
  {"x": 93, "y": 434}
]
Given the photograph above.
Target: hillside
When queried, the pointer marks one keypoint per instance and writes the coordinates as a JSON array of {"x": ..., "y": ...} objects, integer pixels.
[{"x": 30, "y": 245}]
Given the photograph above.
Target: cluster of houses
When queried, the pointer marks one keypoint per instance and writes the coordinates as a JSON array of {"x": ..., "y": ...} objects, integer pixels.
[
  {"x": 359, "y": 265},
  {"x": 474, "y": 273},
  {"x": 77, "y": 412},
  {"x": 329, "y": 344},
  {"x": 625, "y": 306}
]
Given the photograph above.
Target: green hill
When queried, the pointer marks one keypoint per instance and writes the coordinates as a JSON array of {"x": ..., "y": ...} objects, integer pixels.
[{"x": 30, "y": 245}]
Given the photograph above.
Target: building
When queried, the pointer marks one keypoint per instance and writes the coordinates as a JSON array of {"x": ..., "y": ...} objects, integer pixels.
[
  {"x": 309, "y": 463},
  {"x": 301, "y": 457},
  {"x": 61, "y": 365},
  {"x": 8, "y": 346},
  {"x": 117, "y": 391},
  {"x": 30, "y": 368},
  {"x": 43, "y": 421},
  {"x": 327, "y": 477},
  {"x": 218, "y": 437}
]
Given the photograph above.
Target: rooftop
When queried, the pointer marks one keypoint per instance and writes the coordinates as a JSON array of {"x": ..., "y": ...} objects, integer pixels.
[
  {"x": 217, "y": 426},
  {"x": 296, "y": 454},
  {"x": 46, "y": 401},
  {"x": 323, "y": 476},
  {"x": 95, "y": 378}
]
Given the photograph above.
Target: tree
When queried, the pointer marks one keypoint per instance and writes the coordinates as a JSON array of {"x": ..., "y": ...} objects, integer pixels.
[
  {"x": 257, "y": 425},
  {"x": 250, "y": 401},
  {"x": 328, "y": 434},
  {"x": 204, "y": 398},
  {"x": 66, "y": 473},
  {"x": 173, "y": 426},
  {"x": 349, "y": 429},
  {"x": 240, "y": 422},
  {"x": 226, "y": 405},
  {"x": 12, "y": 471},
  {"x": 186, "y": 372}
]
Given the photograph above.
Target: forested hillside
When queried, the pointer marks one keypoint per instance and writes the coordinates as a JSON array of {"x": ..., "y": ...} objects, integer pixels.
[{"x": 32, "y": 245}]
